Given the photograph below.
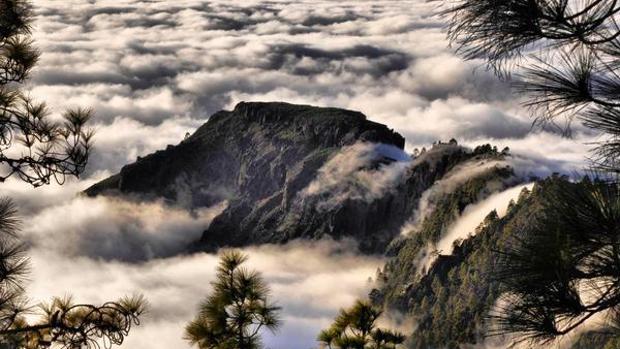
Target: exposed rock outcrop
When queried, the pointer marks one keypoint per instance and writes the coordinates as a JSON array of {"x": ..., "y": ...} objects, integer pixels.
[{"x": 290, "y": 171}]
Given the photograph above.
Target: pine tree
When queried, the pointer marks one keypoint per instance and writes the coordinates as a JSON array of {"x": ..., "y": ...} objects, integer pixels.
[
  {"x": 356, "y": 328},
  {"x": 563, "y": 56},
  {"x": 48, "y": 150},
  {"x": 236, "y": 311},
  {"x": 565, "y": 268}
]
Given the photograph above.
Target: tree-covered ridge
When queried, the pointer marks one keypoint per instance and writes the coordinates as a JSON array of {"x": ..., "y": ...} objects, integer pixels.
[
  {"x": 410, "y": 250},
  {"x": 451, "y": 303}
]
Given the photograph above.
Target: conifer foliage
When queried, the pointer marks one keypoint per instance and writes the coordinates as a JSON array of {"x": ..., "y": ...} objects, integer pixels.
[
  {"x": 565, "y": 268},
  {"x": 356, "y": 328},
  {"x": 237, "y": 309},
  {"x": 33, "y": 146},
  {"x": 564, "y": 55}
]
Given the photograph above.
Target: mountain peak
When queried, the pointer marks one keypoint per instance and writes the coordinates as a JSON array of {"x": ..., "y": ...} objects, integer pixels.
[
  {"x": 289, "y": 171},
  {"x": 255, "y": 142},
  {"x": 288, "y": 110},
  {"x": 328, "y": 127}
]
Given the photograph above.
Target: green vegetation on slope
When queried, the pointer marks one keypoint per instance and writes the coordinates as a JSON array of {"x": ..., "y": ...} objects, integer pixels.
[{"x": 450, "y": 303}]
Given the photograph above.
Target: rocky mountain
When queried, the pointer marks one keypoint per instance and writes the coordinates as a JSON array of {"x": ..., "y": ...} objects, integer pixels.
[
  {"x": 291, "y": 171},
  {"x": 300, "y": 172},
  {"x": 245, "y": 152}
]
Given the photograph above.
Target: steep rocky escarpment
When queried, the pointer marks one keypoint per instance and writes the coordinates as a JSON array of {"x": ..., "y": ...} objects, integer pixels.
[
  {"x": 246, "y": 153},
  {"x": 346, "y": 207},
  {"x": 291, "y": 171}
]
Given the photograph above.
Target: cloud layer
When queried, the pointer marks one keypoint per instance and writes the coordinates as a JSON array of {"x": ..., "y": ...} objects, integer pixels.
[
  {"x": 154, "y": 71},
  {"x": 465, "y": 226},
  {"x": 310, "y": 283},
  {"x": 99, "y": 249},
  {"x": 362, "y": 171}
]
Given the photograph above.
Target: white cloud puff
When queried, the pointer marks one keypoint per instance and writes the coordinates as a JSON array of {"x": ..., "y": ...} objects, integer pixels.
[{"x": 362, "y": 171}]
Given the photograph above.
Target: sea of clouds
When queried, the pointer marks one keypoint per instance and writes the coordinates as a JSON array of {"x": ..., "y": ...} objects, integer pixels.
[{"x": 154, "y": 70}]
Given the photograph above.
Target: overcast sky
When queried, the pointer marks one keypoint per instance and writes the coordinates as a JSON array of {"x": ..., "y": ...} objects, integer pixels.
[{"x": 154, "y": 70}]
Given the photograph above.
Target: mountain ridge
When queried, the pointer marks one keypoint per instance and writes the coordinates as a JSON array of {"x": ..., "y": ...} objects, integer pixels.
[
  {"x": 279, "y": 168},
  {"x": 245, "y": 116}
]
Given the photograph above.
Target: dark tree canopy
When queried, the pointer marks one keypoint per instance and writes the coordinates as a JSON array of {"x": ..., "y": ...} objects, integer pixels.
[
  {"x": 565, "y": 55},
  {"x": 237, "y": 309},
  {"x": 356, "y": 328},
  {"x": 566, "y": 268}
]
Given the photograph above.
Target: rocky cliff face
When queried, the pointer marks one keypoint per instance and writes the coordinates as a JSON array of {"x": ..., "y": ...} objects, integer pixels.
[
  {"x": 247, "y": 152},
  {"x": 290, "y": 171},
  {"x": 323, "y": 204}
]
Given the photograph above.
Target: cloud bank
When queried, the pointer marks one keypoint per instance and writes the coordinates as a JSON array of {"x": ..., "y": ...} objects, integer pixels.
[
  {"x": 116, "y": 229},
  {"x": 474, "y": 214},
  {"x": 457, "y": 176},
  {"x": 363, "y": 171},
  {"x": 310, "y": 282},
  {"x": 154, "y": 71},
  {"x": 101, "y": 249}
]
